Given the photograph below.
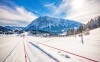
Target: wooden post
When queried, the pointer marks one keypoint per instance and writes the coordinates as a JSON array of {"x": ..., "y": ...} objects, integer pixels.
[
  {"x": 81, "y": 31},
  {"x": 82, "y": 38}
]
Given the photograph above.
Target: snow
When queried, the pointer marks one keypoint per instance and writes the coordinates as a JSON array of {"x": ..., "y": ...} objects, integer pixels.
[
  {"x": 71, "y": 44},
  {"x": 90, "y": 48},
  {"x": 8, "y": 43}
]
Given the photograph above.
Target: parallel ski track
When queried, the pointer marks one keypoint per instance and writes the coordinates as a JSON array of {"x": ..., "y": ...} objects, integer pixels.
[
  {"x": 10, "y": 52},
  {"x": 56, "y": 60},
  {"x": 92, "y": 60}
]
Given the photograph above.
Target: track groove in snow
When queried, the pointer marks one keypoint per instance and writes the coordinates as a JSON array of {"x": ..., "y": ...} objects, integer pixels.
[
  {"x": 69, "y": 52},
  {"x": 10, "y": 53},
  {"x": 25, "y": 52},
  {"x": 45, "y": 52}
]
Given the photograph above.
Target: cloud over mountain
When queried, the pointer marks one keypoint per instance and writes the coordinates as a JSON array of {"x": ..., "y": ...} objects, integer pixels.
[{"x": 17, "y": 16}]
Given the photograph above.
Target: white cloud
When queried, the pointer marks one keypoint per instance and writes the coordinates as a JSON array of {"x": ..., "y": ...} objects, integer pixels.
[
  {"x": 60, "y": 9},
  {"x": 52, "y": 8},
  {"x": 49, "y": 5},
  {"x": 79, "y": 10},
  {"x": 20, "y": 16},
  {"x": 88, "y": 10},
  {"x": 63, "y": 7}
]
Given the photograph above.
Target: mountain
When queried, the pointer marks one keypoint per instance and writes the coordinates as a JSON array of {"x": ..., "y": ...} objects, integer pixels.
[
  {"x": 94, "y": 23},
  {"x": 51, "y": 24},
  {"x": 14, "y": 27},
  {"x": 4, "y": 30}
]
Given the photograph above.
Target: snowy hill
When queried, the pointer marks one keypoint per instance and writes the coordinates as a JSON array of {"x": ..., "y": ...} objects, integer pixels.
[{"x": 51, "y": 24}]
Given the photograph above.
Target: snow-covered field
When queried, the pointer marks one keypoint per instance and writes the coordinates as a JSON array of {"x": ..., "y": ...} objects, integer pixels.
[
  {"x": 65, "y": 49},
  {"x": 12, "y": 50}
]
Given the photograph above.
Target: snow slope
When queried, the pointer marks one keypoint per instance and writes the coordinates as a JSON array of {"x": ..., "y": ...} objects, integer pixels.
[
  {"x": 71, "y": 44},
  {"x": 15, "y": 48}
]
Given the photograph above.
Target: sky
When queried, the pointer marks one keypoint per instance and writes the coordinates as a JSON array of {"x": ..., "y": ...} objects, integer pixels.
[{"x": 23, "y": 12}]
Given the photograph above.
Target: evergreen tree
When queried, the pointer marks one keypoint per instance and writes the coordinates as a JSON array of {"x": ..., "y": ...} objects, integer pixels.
[{"x": 80, "y": 29}]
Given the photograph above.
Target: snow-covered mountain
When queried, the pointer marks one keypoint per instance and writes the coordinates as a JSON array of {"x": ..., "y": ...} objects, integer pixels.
[
  {"x": 51, "y": 24},
  {"x": 3, "y": 29},
  {"x": 94, "y": 23},
  {"x": 14, "y": 27}
]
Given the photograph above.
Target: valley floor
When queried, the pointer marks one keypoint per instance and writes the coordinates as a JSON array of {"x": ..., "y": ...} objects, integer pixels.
[{"x": 15, "y": 48}]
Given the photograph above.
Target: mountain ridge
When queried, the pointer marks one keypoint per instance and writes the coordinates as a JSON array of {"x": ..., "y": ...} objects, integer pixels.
[
  {"x": 51, "y": 24},
  {"x": 14, "y": 27}
]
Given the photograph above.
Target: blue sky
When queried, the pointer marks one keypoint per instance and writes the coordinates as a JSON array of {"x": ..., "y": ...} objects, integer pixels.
[{"x": 22, "y": 12}]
